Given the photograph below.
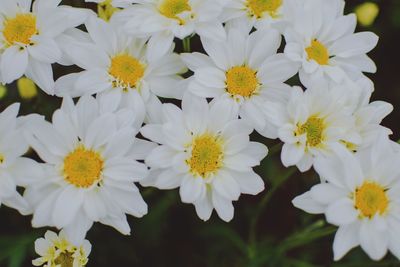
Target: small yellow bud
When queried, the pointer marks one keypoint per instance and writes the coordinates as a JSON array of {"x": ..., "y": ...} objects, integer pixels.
[
  {"x": 3, "y": 91},
  {"x": 26, "y": 88},
  {"x": 367, "y": 13}
]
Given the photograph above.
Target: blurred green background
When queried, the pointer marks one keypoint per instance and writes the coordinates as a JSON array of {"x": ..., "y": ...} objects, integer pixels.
[{"x": 267, "y": 230}]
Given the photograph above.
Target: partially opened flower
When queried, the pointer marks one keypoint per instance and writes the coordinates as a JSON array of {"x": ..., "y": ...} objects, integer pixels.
[
  {"x": 310, "y": 123},
  {"x": 246, "y": 70},
  {"x": 206, "y": 152},
  {"x": 173, "y": 18},
  {"x": 90, "y": 154},
  {"x": 28, "y": 39},
  {"x": 119, "y": 68},
  {"x": 361, "y": 197},
  {"x": 322, "y": 39},
  {"x": 15, "y": 170},
  {"x": 58, "y": 251}
]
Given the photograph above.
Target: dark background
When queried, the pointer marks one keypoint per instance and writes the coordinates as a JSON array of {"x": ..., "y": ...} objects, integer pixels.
[{"x": 171, "y": 235}]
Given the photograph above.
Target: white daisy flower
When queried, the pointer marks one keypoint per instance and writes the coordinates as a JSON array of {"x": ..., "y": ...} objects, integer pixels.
[
  {"x": 322, "y": 39},
  {"x": 162, "y": 20},
  {"x": 90, "y": 155},
  {"x": 361, "y": 196},
  {"x": 261, "y": 14},
  {"x": 120, "y": 68},
  {"x": 58, "y": 251},
  {"x": 15, "y": 170},
  {"x": 205, "y": 150},
  {"x": 246, "y": 70},
  {"x": 310, "y": 124},
  {"x": 28, "y": 39}
]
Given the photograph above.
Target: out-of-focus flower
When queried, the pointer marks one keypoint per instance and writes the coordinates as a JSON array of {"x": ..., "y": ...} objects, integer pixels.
[
  {"x": 361, "y": 196},
  {"x": 28, "y": 39},
  {"x": 367, "y": 13},
  {"x": 58, "y": 251},
  {"x": 322, "y": 39},
  {"x": 90, "y": 154},
  {"x": 206, "y": 152},
  {"x": 26, "y": 88},
  {"x": 246, "y": 70}
]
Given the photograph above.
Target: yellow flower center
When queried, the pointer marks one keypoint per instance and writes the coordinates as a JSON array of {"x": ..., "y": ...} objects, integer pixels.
[
  {"x": 172, "y": 8},
  {"x": 127, "y": 70},
  {"x": 206, "y": 155},
  {"x": 20, "y": 29},
  {"x": 241, "y": 80},
  {"x": 65, "y": 259},
  {"x": 318, "y": 52},
  {"x": 1, "y": 159},
  {"x": 314, "y": 130},
  {"x": 371, "y": 199},
  {"x": 258, "y": 8},
  {"x": 83, "y": 167}
]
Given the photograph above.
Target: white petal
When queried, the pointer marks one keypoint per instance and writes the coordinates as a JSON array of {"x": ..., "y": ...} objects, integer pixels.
[
  {"x": 373, "y": 242},
  {"x": 223, "y": 207},
  {"x": 67, "y": 206},
  {"x": 42, "y": 74},
  {"x": 355, "y": 44},
  {"x": 346, "y": 238},
  {"x": 226, "y": 186},
  {"x": 191, "y": 189},
  {"x": 341, "y": 212},
  {"x": 308, "y": 204},
  {"x": 13, "y": 64}
]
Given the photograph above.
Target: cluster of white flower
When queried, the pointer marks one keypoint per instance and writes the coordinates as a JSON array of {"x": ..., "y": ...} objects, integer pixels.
[{"x": 91, "y": 158}]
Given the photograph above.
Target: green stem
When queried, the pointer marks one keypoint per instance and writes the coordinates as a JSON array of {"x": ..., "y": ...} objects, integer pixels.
[
  {"x": 264, "y": 202},
  {"x": 275, "y": 149},
  {"x": 186, "y": 44}
]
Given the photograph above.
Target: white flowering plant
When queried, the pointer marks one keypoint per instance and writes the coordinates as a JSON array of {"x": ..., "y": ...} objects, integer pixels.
[{"x": 255, "y": 112}]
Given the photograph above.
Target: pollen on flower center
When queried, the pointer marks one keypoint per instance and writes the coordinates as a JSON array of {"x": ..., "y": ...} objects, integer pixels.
[
  {"x": 370, "y": 199},
  {"x": 127, "y": 70},
  {"x": 20, "y": 29},
  {"x": 258, "y": 8},
  {"x": 318, "y": 52},
  {"x": 83, "y": 167},
  {"x": 241, "y": 80},
  {"x": 314, "y": 129},
  {"x": 172, "y": 8},
  {"x": 206, "y": 155},
  {"x": 65, "y": 259}
]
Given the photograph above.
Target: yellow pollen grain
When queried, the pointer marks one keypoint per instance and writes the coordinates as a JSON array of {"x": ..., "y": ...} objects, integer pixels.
[
  {"x": 65, "y": 259},
  {"x": 258, "y": 8},
  {"x": 371, "y": 199},
  {"x": 83, "y": 167},
  {"x": 20, "y": 29},
  {"x": 241, "y": 80},
  {"x": 172, "y": 8},
  {"x": 127, "y": 70},
  {"x": 318, "y": 52},
  {"x": 206, "y": 155},
  {"x": 314, "y": 129}
]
